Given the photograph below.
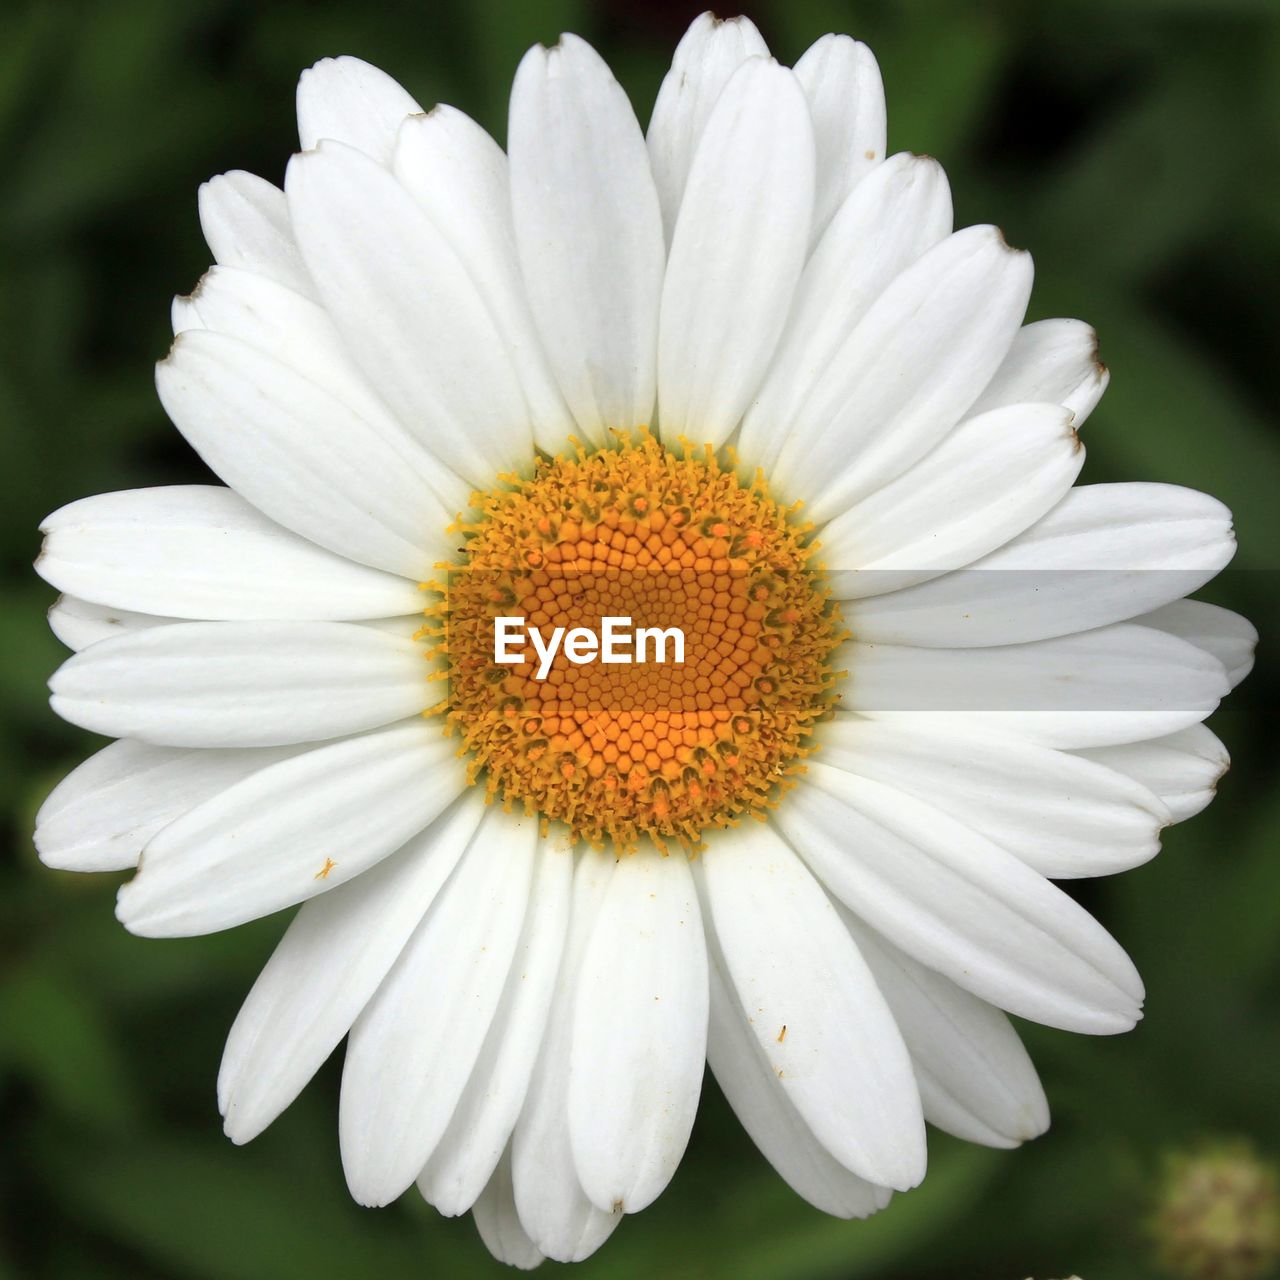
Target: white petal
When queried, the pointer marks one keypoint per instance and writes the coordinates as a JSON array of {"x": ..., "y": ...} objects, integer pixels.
[
  {"x": 486, "y": 1113},
  {"x": 410, "y": 312},
  {"x": 246, "y": 224},
  {"x": 101, "y": 815},
  {"x": 458, "y": 175},
  {"x": 589, "y": 233},
  {"x": 976, "y": 1080},
  {"x": 1041, "y": 805},
  {"x": 243, "y": 684},
  {"x": 899, "y": 211},
  {"x": 350, "y": 101},
  {"x": 1055, "y": 360},
  {"x": 753, "y": 1090},
  {"x": 908, "y": 372},
  {"x": 813, "y": 1006},
  {"x": 846, "y": 96},
  {"x": 302, "y": 457},
  {"x": 961, "y": 905},
  {"x": 197, "y": 551},
  {"x": 1118, "y": 684},
  {"x": 1183, "y": 769},
  {"x": 78, "y": 624},
  {"x": 183, "y": 314},
  {"x": 1230, "y": 637},
  {"x": 300, "y": 333},
  {"x": 639, "y": 1033},
  {"x": 1105, "y": 553},
  {"x": 326, "y": 968},
  {"x": 707, "y": 56},
  {"x": 736, "y": 253},
  {"x": 552, "y": 1205},
  {"x": 499, "y": 1224},
  {"x": 291, "y": 831},
  {"x": 412, "y": 1050},
  {"x": 987, "y": 481},
  {"x": 404, "y": 627}
]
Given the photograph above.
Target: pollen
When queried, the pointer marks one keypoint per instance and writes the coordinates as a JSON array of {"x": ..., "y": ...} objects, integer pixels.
[{"x": 670, "y": 540}]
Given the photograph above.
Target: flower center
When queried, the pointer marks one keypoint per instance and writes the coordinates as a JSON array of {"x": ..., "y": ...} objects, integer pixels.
[{"x": 651, "y": 745}]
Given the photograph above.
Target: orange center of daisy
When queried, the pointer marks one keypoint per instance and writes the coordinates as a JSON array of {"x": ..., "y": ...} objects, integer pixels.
[{"x": 650, "y": 745}]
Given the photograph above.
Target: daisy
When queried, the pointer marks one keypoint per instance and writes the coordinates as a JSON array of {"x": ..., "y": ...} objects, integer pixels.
[{"x": 737, "y": 377}]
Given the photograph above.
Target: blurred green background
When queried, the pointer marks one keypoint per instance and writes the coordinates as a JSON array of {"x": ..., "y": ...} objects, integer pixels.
[{"x": 1134, "y": 148}]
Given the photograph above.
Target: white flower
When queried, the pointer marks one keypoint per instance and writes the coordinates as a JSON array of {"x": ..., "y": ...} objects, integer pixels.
[{"x": 530, "y": 999}]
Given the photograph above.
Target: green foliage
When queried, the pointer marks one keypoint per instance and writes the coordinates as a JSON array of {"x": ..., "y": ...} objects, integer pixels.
[{"x": 1134, "y": 148}]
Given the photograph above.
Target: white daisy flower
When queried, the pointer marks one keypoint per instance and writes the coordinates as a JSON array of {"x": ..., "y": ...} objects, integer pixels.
[{"x": 738, "y": 378}]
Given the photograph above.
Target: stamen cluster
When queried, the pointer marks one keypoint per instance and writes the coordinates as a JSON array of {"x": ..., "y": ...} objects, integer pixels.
[{"x": 663, "y": 749}]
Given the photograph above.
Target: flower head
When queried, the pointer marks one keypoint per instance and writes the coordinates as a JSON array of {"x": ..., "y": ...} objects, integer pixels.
[
  {"x": 736, "y": 383},
  {"x": 1217, "y": 1213},
  {"x": 667, "y": 749}
]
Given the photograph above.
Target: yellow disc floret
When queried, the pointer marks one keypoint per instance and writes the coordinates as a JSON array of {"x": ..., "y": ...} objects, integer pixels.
[{"x": 663, "y": 748}]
